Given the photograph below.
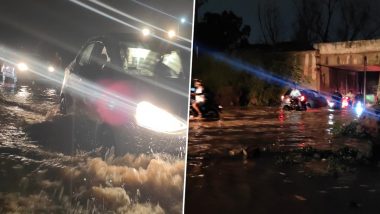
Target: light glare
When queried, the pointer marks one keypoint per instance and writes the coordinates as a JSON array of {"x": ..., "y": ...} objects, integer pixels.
[
  {"x": 156, "y": 119},
  {"x": 146, "y": 32},
  {"x": 171, "y": 34},
  {"x": 51, "y": 69},
  {"x": 22, "y": 66},
  {"x": 359, "y": 109}
]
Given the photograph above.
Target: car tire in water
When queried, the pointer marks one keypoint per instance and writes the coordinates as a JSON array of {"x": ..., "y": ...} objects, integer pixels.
[{"x": 64, "y": 105}]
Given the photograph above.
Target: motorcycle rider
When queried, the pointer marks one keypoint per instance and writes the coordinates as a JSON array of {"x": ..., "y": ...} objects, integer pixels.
[
  {"x": 350, "y": 96},
  {"x": 337, "y": 98},
  {"x": 199, "y": 97},
  {"x": 294, "y": 93}
]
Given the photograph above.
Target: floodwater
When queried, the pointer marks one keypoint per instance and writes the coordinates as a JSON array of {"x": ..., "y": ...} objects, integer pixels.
[
  {"x": 270, "y": 161},
  {"x": 55, "y": 177}
]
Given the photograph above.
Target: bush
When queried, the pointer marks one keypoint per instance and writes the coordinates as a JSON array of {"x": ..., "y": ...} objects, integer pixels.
[{"x": 234, "y": 86}]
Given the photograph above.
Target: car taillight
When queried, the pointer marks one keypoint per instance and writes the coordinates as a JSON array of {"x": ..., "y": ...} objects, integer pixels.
[
  {"x": 303, "y": 98},
  {"x": 345, "y": 103}
]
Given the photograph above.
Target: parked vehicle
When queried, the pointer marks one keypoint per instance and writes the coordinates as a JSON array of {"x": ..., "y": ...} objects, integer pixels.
[{"x": 133, "y": 88}]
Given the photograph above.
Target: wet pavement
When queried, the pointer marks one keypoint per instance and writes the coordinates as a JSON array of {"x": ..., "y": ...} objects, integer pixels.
[
  {"x": 270, "y": 161},
  {"x": 41, "y": 177}
]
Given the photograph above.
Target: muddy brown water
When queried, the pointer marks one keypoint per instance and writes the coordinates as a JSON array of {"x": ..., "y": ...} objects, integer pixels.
[
  {"x": 45, "y": 178},
  {"x": 223, "y": 178}
]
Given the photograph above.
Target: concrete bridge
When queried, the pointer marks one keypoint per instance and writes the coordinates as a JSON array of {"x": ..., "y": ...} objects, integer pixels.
[{"x": 344, "y": 66}]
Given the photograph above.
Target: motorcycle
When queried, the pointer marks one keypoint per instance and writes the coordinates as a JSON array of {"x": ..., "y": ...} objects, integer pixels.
[
  {"x": 346, "y": 102},
  {"x": 297, "y": 103},
  {"x": 210, "y": 109}
]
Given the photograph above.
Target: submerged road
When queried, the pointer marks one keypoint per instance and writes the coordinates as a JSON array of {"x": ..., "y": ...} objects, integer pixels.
[
  {"x": 53, "y": 176},
  {"x": 248, "y": 163}
]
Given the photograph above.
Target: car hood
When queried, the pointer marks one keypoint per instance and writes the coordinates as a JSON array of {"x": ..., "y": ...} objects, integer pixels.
[{"x": 170, "y": 95}]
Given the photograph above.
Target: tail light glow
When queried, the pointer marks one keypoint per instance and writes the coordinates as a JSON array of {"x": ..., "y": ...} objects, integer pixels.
[{"x": 345, "y": 102}]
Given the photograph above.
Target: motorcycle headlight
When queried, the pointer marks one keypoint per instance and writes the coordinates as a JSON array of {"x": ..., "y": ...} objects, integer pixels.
[
  {"x": 151, "y": 117},
  {"x": 359, "y": 109}
]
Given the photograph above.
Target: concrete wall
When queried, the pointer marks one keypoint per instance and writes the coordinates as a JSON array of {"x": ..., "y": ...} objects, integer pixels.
[
  {"x": 349, "y": 53},
  {"x": 315, "y": 62}
]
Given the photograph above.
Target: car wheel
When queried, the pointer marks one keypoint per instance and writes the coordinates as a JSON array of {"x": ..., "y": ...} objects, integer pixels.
[{"x": 64, "y": 105}]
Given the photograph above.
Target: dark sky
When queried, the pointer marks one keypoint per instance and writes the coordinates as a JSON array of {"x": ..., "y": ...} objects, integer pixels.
[
  {"x": 31, "y": 23},
  {"x": 247, "y": 9}
]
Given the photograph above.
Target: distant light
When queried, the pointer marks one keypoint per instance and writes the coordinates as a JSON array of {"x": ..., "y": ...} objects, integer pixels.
[
  {"x": 51, "y": 69},
  {"x": 331, "y": 104},
  {"x": 171, "y": 34},
  {"x": 359, "y": 109},
  {"x": 22, "y": 66},
  {"x": 146, "y": 32},
  {"x": 183, "y": 20}
]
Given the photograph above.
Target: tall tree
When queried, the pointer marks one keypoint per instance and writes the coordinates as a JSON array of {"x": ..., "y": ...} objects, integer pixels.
[
  {"x": 268, "y": 16},
  {"x": 359, "y": 20},
  {"x": 314, "y": 20},
  {"x": 223, "y": 31}
]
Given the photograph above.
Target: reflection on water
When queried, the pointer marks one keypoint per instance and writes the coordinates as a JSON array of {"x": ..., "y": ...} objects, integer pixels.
[
  {"x": 229, "y": 172},
  {"x": 269, "y": 127},
  {"x": 36, "y": 178},
  {"x": 23, "y": 93}
]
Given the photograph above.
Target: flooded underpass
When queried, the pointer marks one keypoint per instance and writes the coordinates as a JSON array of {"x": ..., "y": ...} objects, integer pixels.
[
  {"x": 270, "y": 161},
  {"x": 54, "y": 176}
]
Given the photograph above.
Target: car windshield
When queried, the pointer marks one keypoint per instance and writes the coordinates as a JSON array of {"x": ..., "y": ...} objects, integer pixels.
[{"x": 140, "y": 60}]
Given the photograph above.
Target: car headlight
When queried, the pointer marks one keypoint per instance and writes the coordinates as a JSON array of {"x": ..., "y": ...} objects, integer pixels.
[
  {"x": 331, "y": 104},
  {"x": 151, "y": 117},
  {"x": 22, "y": 66},
  {"x": 51, "y": 68}
]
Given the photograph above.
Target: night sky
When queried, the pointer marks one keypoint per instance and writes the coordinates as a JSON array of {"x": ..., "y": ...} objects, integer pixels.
[
  {"x": 247, "y": 9},
  {"x": 65, "y": 25}
]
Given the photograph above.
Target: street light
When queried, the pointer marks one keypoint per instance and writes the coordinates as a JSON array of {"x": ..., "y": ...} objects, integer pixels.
[
  {"x": 171, "y": 34},
  {"x": 182, "y": 21}
]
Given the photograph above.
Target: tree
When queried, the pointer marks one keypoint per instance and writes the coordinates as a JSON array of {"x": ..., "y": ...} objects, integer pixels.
[
  {"x": 314, "y": 20},
  {"x": 268, "y": 16},
  {"x": 359, "y": 20},
  {"x": 336, "y": 20},
  {"x": 198, "y": 5},
  {"x": 223, "y": 31}
]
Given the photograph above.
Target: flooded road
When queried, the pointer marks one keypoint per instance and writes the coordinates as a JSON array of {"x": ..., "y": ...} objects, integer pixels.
[
  {"x": 56, "y": 177},
  {"x": 270, "y": 161}
]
